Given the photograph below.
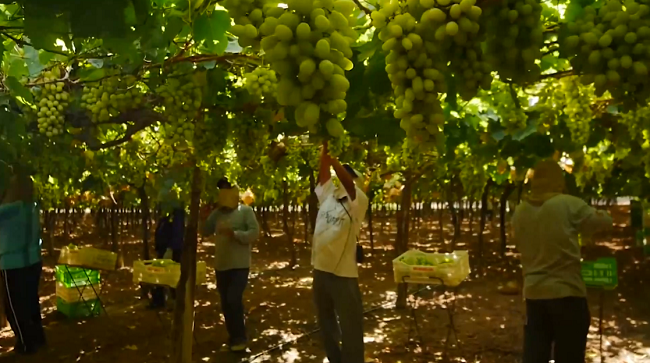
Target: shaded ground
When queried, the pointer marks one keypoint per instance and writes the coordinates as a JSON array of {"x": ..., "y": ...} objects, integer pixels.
[{"x": 489, "y": 324}]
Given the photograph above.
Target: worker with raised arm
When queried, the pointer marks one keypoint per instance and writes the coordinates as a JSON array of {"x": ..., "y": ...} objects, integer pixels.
[
  {"x": 334, "y": 256},
  {"x": 546, "y": 228}
]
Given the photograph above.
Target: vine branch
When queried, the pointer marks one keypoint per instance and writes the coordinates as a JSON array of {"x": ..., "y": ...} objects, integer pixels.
[
  {"x": 362, "y": 7},
  {"x": 557, "y": 75},
  {"x": 25, "y": 43}
]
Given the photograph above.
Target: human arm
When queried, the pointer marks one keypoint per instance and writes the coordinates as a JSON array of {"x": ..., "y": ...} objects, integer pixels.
[
  {"x": 252, "y": 231},
  {"x": 210, "y": 225},
  {"x": 588, "y": 220},
  {"x": 345, "y": 178},
  {"x": 324, "y": 170}
]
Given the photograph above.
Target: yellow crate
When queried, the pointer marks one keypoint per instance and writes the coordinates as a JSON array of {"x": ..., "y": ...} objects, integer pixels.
[
  {"x": 417, "y": 267},
  {"x": 88, "y": 257},
  {"x": 145, "y": 272}
]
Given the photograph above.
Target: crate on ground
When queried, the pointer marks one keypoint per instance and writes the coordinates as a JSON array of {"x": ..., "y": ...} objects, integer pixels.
[
  {"x": 78, "y": 310},
  {"x": 76, "y": 276},
  {"x": 417, "y": 267},
  {"x": 164, "y": 272},
  {"x": 72, "y": 295},
  {"x": 88, "y": 257}
]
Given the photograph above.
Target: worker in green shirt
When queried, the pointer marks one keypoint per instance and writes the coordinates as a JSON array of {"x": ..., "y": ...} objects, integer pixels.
[{"x": 236, "y": 228}]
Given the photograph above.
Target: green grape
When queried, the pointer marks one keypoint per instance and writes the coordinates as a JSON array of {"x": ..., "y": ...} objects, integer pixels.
[
  {"x": 473, "y": 175},
  {"x": 182, "y": 105},
  {"x": 608, "y": 48},
  {"x": 261, "y": 82},
  {"x": 250, "y": 17},
  {"x": 308, "y": 45},
  {"x": 512, "y": 117},
  {"x": 578, "y": 110},
  {"x": 514, "y": 38},
  {"x": 51, "y": 102},
  {"x": 112, "y": 96}
]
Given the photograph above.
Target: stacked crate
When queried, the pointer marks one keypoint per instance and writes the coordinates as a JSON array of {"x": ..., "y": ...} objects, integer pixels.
[{"x": 75, "y": 296}]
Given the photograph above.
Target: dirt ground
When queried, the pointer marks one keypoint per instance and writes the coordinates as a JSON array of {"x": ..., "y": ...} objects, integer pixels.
[{"x": 281, "y": 318}]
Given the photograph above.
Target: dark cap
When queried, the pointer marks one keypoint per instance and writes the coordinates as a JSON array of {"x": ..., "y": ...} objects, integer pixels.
[
  {"x": 223, "y": 183},
  {"x": 350, "y": 171}
]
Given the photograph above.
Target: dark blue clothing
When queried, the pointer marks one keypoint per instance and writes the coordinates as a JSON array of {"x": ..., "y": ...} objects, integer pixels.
[
  {"x": 170, "y": 231},
  {"x": 231, "y": 285}
]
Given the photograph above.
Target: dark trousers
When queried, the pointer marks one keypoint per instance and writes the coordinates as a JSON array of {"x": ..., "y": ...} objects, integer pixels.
[
  {"x": 231, "y": 285},
  {"x": 556, "y": 329},
  {"x": 340, "y": 316},
  {"x": 158, "y": 292},
  {"x": 23, "y": 308}
]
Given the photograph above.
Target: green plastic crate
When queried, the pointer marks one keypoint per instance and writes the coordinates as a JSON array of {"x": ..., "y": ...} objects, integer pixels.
[
  {"x": 602, "y": 273},
  {"x": 78, "y": 310},
  {"x": 75, "y": 276}
]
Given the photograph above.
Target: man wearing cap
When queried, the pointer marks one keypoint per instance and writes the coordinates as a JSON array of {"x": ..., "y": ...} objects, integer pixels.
[
  {"x": 236, "y": 228},
  {"x": 546, "y": 227},
  {"x": 334, "y": 257}
]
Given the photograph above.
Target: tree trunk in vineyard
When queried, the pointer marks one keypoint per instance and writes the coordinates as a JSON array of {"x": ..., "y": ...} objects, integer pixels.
[
  {"x": 144, "y": 203},
  {"x": 265, "y": 221},
  {"x": 66, "y": 225},
  {"x": 285, "y": 224},
  {"x": 370, "y": 227},
  {"x": 305, "y": 219},
  {"x": 484, "y": 209},
  {"x": 441, "y": 222},
  {"x": 313, "y": 202},
  {"x": 456, "y": 222},
  {"x": 503, "y": 202},
  {"x": 402, "y": 240},
  {"x": 183, "y": 325},
  {"x": 114, "y": 225},
  {"x": 471, "y": 216}
]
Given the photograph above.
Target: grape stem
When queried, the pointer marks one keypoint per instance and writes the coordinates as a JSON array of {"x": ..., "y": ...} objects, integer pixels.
[
  {"x": 557, "y": 75},
  {"x": 362, "y": 7},
  {"x": 513, "y": 94}
]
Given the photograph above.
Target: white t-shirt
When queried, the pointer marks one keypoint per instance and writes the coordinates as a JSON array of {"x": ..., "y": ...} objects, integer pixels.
[{"x": 338, "y": 256}]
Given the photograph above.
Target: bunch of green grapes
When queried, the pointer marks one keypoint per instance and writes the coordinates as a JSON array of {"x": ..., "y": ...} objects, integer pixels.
[
  {"x": 110, "y": 97},
  {"x": 636, "y": 121},
  {"x": 182, "y": 99},
  {"x": 610, "y": 48},
  {"x": 453, "y": 29},
  {"x": 577, "y": 109},
  {"x": 339, "y": 145},
  {"x": 515, "y": 37},
  {"x": 473, "y": 175},
  {"x": 548, "y": 105},
  {"x": 261, "y": 82},
  {"x": 250, "y": 128},
  {"x": 308, "y": 46},
  {"x": 51, "y": 101},
  {"x": 416, "y": 74},
  {"x": 211, "y": 131},
  {"x": 500, "y": 99},
  {"x": 249, "y": 16}
]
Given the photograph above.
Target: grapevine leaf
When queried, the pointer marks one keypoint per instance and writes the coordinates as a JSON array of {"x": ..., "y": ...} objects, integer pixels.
[
  {"x": 103, "y": 18},
  {"x": 216, "y": 84},
  {"x": 129, "y": 14},
  {"x": 45, "y": 57},
  {"x": 18, "y": 69},
  {"x": 211, "y": 30},
  {"x": 33, "y": 61},
  {"x": 18, "y": 89},
  {"x": 539, "y": 145},
  {"x": 173, "y": 27},
  {"x": 376, "y": 75},
  {"x": 531, "y": 128},
  {"x": 452, "y": 96},
  {"x": 2, "y": 50},
  {"x": 91, "y": 74},
  {"x": 96, "y": 62}
]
